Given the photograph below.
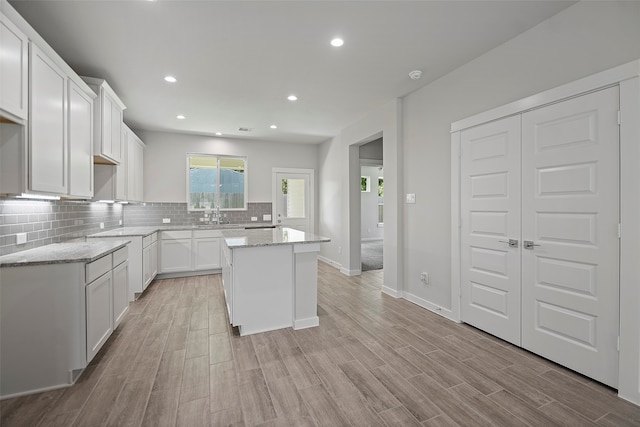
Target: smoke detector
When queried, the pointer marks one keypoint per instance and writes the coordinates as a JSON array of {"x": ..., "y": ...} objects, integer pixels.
[{"x": 415, "y": 74}]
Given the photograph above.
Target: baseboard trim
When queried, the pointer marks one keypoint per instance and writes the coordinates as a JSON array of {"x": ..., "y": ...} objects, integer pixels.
[
  {"x": 391, "y": 292},
  {"x": 329, "y": 261},
  {"x": 306, "y": 323},
  {"x": 371, "y": 239},
  {"x": 444, "y": 312},
  {"x": 348, "y": 272},
  {"x": 188, "y": 273}
]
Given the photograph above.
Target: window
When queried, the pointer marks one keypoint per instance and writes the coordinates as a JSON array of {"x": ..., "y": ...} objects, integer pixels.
[
  {"x": 365, "y": 184},
  {"x": 293, "y": 193},
  {"x": 216, "y": 181}
]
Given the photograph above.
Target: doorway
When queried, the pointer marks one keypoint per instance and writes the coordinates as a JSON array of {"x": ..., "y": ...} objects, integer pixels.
[
  {"x": 292, "y": 204},
  {"x": 371, "y": 206}
]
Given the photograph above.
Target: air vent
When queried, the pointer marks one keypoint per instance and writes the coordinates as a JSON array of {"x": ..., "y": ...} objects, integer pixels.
[{"x": 244, "y": 129}]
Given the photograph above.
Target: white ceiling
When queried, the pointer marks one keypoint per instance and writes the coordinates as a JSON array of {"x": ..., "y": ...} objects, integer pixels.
[{"x": 236, "y": 61}]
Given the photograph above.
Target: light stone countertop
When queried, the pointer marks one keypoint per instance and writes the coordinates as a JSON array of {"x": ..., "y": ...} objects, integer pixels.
[
  {"x": 63, "y": 253},
  {"x": 269, "y": 237},
  {"x": 147, "y": 230}
]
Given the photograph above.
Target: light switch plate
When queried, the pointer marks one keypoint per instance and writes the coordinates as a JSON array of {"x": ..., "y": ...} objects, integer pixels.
[
  {"x": 101, "y": 225},
  {"x": 21, "y": 238},
  {"x": 411, "y": 197},
  {"x": 266, "y": 217}
]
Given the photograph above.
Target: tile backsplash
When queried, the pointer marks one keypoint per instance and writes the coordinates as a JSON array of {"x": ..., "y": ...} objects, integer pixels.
[
  {"x": 47, "y": 222},
  {"x": 153, "y": 213}
]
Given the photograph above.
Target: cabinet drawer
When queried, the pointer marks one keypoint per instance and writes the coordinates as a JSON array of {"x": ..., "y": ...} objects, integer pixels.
[
  {"x": 176, "y": 234},
  {"x": 97, "y": 268},
  {"x": 199, "y": 234},
  {"x": 120, "y": 256}
]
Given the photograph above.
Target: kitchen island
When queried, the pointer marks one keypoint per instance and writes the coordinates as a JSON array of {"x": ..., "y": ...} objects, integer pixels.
[{"x": 270, "y": 278}]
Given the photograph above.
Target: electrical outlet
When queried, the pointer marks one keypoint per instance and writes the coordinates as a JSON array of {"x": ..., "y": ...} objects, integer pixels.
[
  {"x": 339, "y": 249},
  {"x": 166, "y": 220},
  {"x": 411, "y": 198},
  {"x": 254, "y": 218},
  {"x": 101, "y": 225},
  {"x": 424, "y": 278},
  {"x": 119, "y": 222}
]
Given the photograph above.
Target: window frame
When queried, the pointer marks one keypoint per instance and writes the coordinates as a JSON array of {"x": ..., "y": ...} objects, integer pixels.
[{"x": 217, "y": 194}]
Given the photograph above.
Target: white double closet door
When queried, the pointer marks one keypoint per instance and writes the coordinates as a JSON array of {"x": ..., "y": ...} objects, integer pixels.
[{"x": 548, "y": 180}]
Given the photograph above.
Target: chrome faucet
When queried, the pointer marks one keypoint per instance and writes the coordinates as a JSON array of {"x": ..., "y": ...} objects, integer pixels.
[{"x": 217, "y": 214}]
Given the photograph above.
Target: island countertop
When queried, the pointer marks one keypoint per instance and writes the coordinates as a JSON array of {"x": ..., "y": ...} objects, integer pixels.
[
  {"x": 269, "y": 237},
  {"x": 62, "y": 253},
  {"x": 150, "y": 229}
]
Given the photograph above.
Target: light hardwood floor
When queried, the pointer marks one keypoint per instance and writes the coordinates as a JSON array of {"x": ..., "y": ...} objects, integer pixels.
[{"x": 373, "y": 361}]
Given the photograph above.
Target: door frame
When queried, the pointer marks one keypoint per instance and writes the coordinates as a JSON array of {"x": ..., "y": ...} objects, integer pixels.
[
  {"x": 627, "y": 76},
  {"x": 312, "y": 185}
]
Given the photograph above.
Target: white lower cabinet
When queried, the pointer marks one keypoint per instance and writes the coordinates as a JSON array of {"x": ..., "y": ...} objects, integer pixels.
[
  {"x": 206, "y": 249},
  {"x": 149, "y": 259},
  {"x": 106, "y": 297},
  {"x": 189, "y": 251},
  {"x": 99, "y": 313},
  {"x": 175, "y": 251},
  {"x": 120, "y": 292},
  {"x": 47, "y": 341}
]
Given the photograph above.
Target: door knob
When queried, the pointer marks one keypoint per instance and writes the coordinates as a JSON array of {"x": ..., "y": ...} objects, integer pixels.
[
  {"x": 528, "y": 244},
  {"x": 513, "y": 243}
]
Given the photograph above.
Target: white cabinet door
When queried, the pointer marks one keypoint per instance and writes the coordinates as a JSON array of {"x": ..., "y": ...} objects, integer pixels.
[
  {"x": 47, "y": 125},
  {"x": 206, "y": 253},
  {"x": 116, "y": 129},
  {"x": 120, "y": 172},
  {"x": 99, "y": 313},
  {"x": 139, "y": 171},
  {"x": 570, "y": 279},
  {"x": 147, "y": 268},
  {"x": 490, "y": 212},
  {"x": 154, "y": 259},
  {"x": 175, "y": 255},
  {"x": 120, "y": 292},
  {"x": 130, "y": 144},
  {"x": 14, "y": 69},
  {"x": 80, "y": 142}
]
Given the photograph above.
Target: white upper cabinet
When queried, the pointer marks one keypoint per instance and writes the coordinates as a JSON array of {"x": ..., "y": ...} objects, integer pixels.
[
  {"x": 108, "y": 108},
  {"x": 80, "y": 142},
  {"x": 48, "y": 156},
  {"x": 14, "y": 70},
  {"x": 135, "y": 157}
]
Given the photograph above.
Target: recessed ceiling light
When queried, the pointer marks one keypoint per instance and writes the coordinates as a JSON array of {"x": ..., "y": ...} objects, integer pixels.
[
  {"x": 292, "y": 98},
  {"x": 337, "y": 42},
  {"x": 170, "y": 79},
  {"x": 219, "y": 133},
  {"x": 273, "y": 127},
  {"x": 180, "y": 117}
]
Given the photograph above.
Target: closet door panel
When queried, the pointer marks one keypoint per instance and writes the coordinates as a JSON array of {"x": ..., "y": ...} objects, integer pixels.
[
  {"x": 570, "y": 284},
  {"x": 490, "y": 208}
]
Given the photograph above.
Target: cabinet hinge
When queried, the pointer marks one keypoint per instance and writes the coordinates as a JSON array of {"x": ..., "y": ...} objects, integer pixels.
[
  {"x": 619, "y": 230},
  {"x": 619, "y": 117}
]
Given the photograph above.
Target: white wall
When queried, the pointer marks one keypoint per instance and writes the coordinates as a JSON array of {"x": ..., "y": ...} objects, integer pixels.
[
  {"x": 583, "y": 39},
  {"x": 369, "y": 229},
  {"x": 165, "y": 162}
]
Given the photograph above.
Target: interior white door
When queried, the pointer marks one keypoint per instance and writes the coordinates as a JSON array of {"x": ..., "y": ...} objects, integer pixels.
[
  {"x": 292, "y": 204},
  {"x": 490, "y": 211},
  {"x": 570, "y": 285}
]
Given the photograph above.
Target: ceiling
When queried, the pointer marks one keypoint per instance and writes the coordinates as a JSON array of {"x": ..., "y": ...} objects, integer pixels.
[{"x": 237, "y": 61}]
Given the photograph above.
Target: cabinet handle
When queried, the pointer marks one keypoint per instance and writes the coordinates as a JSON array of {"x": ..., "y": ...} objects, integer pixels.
[{"x": 528, "y": 244}]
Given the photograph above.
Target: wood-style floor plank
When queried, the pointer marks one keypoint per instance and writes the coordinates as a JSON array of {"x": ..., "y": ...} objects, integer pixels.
[{"x": 374, "y": 360}]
